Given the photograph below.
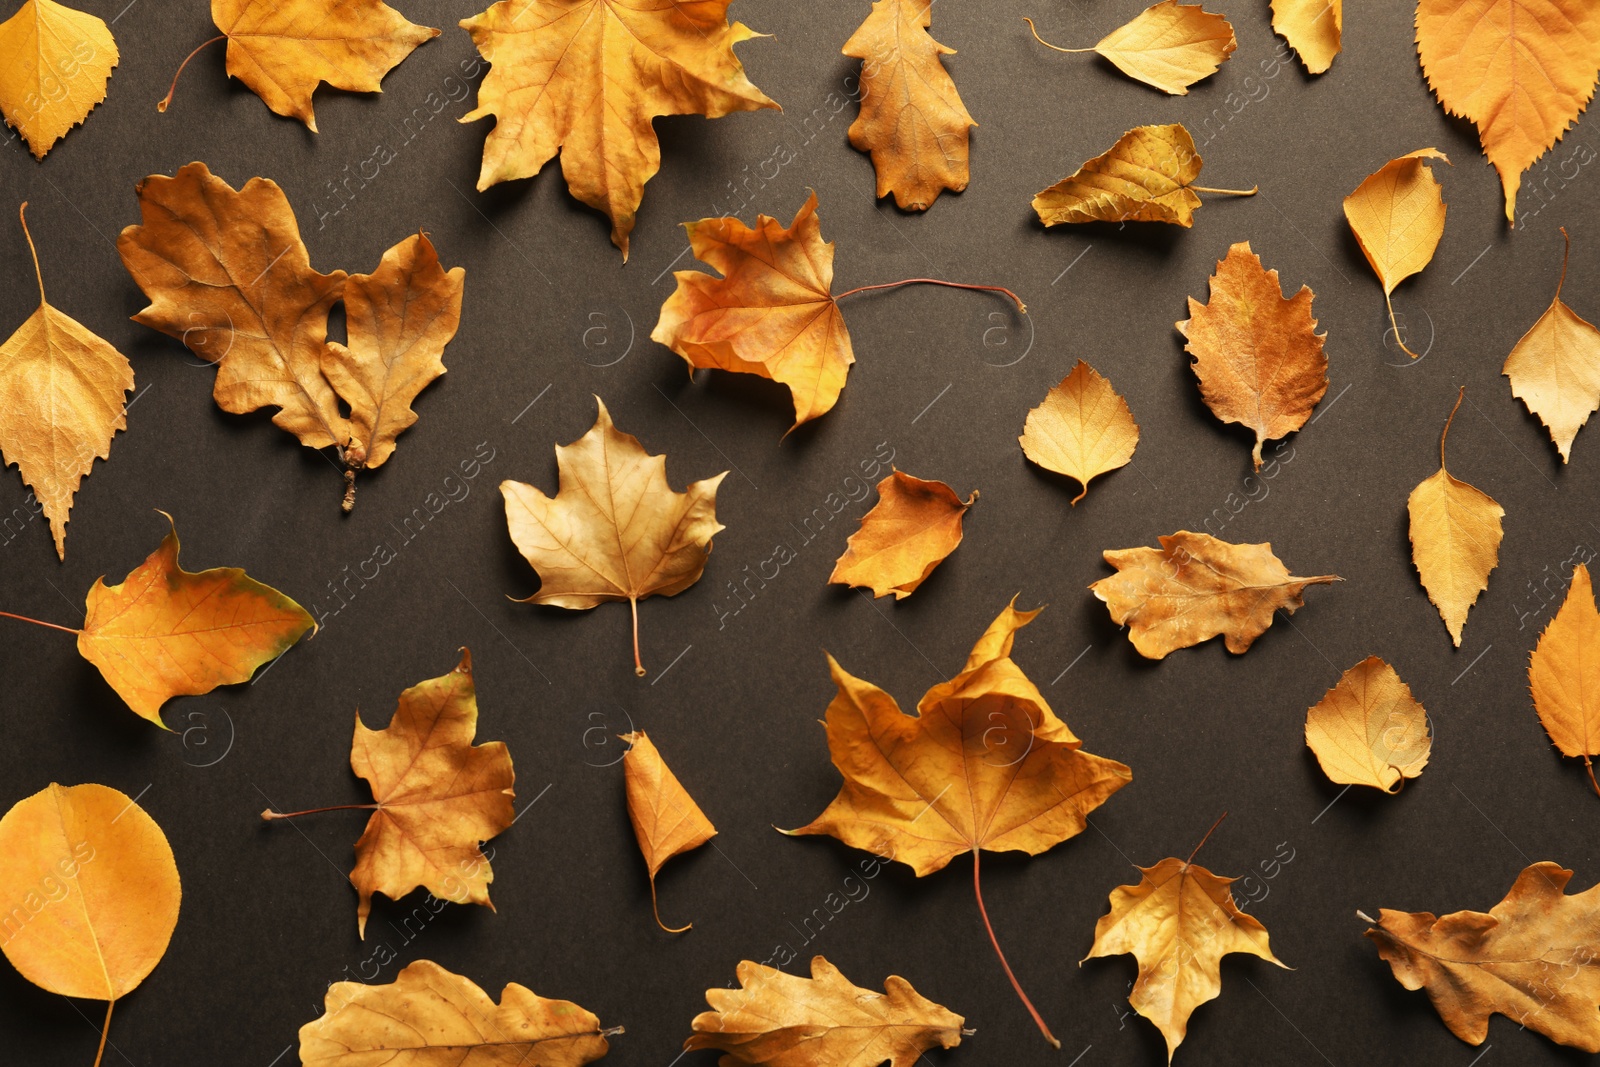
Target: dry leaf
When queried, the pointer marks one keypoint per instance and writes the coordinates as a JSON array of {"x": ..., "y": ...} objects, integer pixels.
[
  {"x": 429, "y": 1016},
  {"x": 1521, "y": 70},
  {"x": 615, "y": 530},
  {"x": 1168, "y": 45},
  {"x": 1312, "y": 28},
  {"x": 62, "y": 390},
  {"x": 912, "y": 528},
  {"x": 1195, "y": 587},
  {"x": 1397, "y": 215},
  {"x": 665, "y": 818},
  {"x": 1531, "y": 958},
  {"x": 1564, "y": 675},
  {"x": 782, "y": 1020},
  {"x": 1455, "y": 538},
  {"x": 1178, "y": 922},
  {"x": 1555, "y": 368},
  {"x": 58, "y": 61},
  {"x": 1369, "y": 730},
  {"x": 1082, "y": 429},
  {"x": 588, "y": 77},
  {"x": 912, "y": 119},
  {"x": 1144, "y": 177},
  {"x": 1257, "y": 355}
]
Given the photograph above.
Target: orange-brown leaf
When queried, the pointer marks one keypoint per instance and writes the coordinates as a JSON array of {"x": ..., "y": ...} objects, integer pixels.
[
  {"x": 1564, "y": 674},
  {"x": 914, "y": 525},
  {"x": 666, "y": 820}
]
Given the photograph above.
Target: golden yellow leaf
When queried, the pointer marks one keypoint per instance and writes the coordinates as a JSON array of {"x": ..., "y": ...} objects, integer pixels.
[
  {"x": 666, "y": 820},
  {"x": 587, "y": 78},
  {"x": 1196, "y": 587},
  {"x": 1521, "y": 70},
  {"x": 615, "y": 530},
  {"x": 915, "y": 524},
  {"x": 912, "y": 119},
  {"x": 61, "y": 390},
  {"x": 1167, "y": 45},
  {"x": 428, "y": 1017},
  {"x": 1082, "y": 429},
  {"x": 1455, "y": 538},
  {"x": 783, "y": 1020},
  {"x": 1564, "y": 675},
  {"x": 1144, "y": 177},
  {"x": 1369, "y": 730},
  {"x": 1530, "y": 958},
  {"x": 1555, "y": 368},
  {"x": 58, "y": 61},
  {"x": 1312, "y": 28},
  {"x": 1257, "y": 355},
  {"x": 1397, "y": 214}
]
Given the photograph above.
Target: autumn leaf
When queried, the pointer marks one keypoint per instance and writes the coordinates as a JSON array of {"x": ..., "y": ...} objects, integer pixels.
[
  {"x": 93, "y": 891},
  {"x": 666, "y": 820},
  {"x": 1531, "y": 958},
  {"x": 62, "y": 391},
  {"x": 588, "y": 78},
  {"x": 1178, "y": 922},
  {"x": 429, "y": 1015},
  {"x": 1521, "y": 70},
  {"x": 783, "y": 1020},
  {"x": 1369, "y": 729},
  {"x": 1144, "y": 177},
  {"x": 1555, "y": 368},
  {"x": 1397, "y": 215},
  {"x": 912, "y": 528},
  {"x": 984, "y": 764},
  {"x": 1564, "y": 675},
  {"x": 1196, "y": 587},
  {"x": 1312, "y": 28},
  {"x": 1082, "y": 429},
  {"x": 1257, "y": 355},
  {"x": 58, "y": 62},
  {"x": 1455, "y": 538},
  {"x": 615, "y": 530},
  {"x": 1168, "y": 45}
]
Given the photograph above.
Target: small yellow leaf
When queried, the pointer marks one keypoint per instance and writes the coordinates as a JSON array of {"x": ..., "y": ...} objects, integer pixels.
[
  {"x": 1564, "y": 675},
  {"x": 57, "y": 63},
  {"x": 1397, "y": 214},
  {"x": 1144, "y": 177},
  {"x": 914, "y": 525},
  {"x": 1082, "y": 429},
  {"x": 1555, "y": 368},
  {"x": 1169, "y": 45},
  {"x": 1369, "y": 729},
  {"x": 666, "y": 820},
  {"x": 1312, "y": 28}
]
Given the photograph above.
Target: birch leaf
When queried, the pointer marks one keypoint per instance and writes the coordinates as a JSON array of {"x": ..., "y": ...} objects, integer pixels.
[
  {"x": 1369, "y": 729},
  {"x": 1555, "y": 368},
  {"x": 1082, "y": 429},
  {"x": 58, "y": 63},
  {"x": 1397, "y": 214},
  {"x": 1146, "y": 176},
  {"x": 1312, "y": 28},
  {"x": 1169, "y": 45},
  {"x": 1564, "y": 675}
]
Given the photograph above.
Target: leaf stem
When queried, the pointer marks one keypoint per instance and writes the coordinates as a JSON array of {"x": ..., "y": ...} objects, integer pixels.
[
  {"x": 1252, "y": 191},
  {"x": 270, "y": 815},
  {"x": 162, "y": 105},
  {"x": 1047, "y": 44},
  {"x": 977, "y": 890},
  {"x": 657, "y": 910},
  {"x": 105, "y": 1031},
  {"x": 1589, "y": 766},
  {"x": 936, "y": 281},
  {"x": 1447, "y": 422},
  {"x": 1204, "y": 839},
  {"x": 1395, "y": 326},
  {"x": 22, "y": 213},
  {"x": 1564, "y": 254},
  {"x": 39, "y": 622},
  {"x": 638, "y": 667}
]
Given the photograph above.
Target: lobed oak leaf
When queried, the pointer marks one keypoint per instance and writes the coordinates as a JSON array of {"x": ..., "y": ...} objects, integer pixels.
[
  {"x": 587, "y": 78},
  {"x": 1531, "y": 958},
  {"x": 1397, "y": 214},
  {"x": 1369, "y": 730},
  {"x": 58, "y": 62},
  {"x": 615, "y": 530},
  {"x": 1196, "y": 587},
  {"x": 1555, "y": 368},
  {"x": 913, "y": 527},
  {"x": 666, "y": 820},
  {"x": 1082, "y": 429},
  {"x": 1312, "y": 28},
  {"x": 1564, "y": 675},
  {"x": 1257, "y": 355},
  {"x": 1168, "y": 45}
]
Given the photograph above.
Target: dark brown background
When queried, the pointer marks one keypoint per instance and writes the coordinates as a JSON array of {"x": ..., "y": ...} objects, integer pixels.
[{"x": 944, "y": 378}]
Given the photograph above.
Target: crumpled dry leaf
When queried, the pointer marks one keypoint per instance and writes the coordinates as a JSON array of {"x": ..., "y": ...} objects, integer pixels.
[
  {"x": 1196, "y": 587},
  {"x": 1555, "y": 368},
  {"x": 1082, "y": 428},
  {"x": 1521, "y": 70},
  {"x": 58, "y": 62},
  {"x": 1564, "y": 675},
  {"x": 1455, "y": 538},
  {"x": 666, "y": 820},
  {"x": 1169, "y": 45},
  {"x": 913, "y": 527},
  {"x": 1369, "y": 730},
  {"x": 912, "y": 119},
  {"x": 429, "y": 1016},
  {"x": 1144, "y": 177},
  {"x": 587, "y": 78},
  {"x": 62, "y": 391},
  {"x": 783, "y": 1020},
  {"x": 1312, "y": 28},
  {"x": 1258, "y": 356},
  {"x": 1397, "y": 214},
  {"x": 1531, "y": 958},
  {"x": 615, "y": 530}
]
